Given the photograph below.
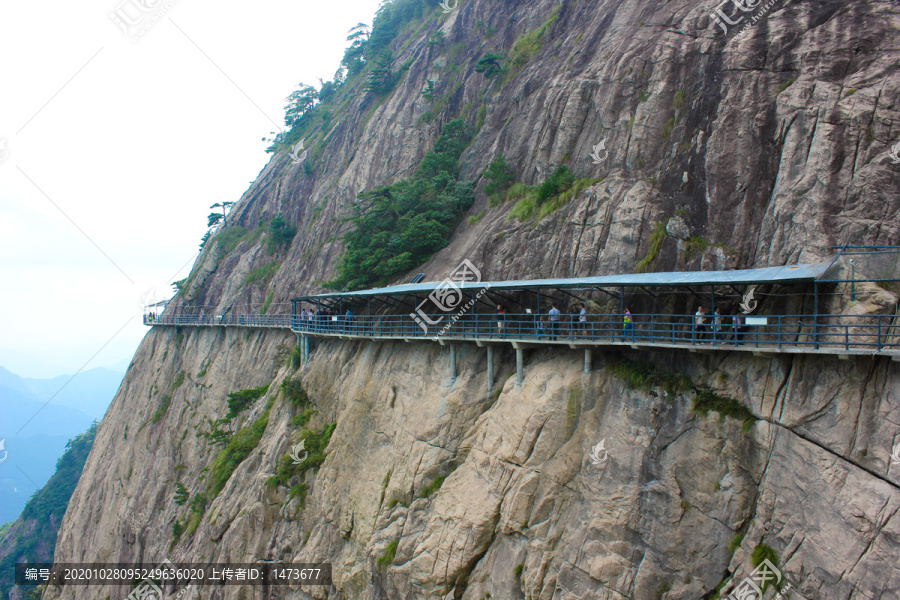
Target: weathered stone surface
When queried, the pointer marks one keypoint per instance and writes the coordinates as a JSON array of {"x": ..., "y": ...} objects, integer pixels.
[{"x": 773, "y": 175}]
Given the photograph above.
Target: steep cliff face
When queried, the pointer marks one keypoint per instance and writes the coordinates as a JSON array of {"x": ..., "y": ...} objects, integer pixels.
[{"x": 773, "y": 145}]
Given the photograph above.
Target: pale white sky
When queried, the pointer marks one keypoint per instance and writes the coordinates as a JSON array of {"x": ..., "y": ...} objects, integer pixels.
[{"x": 115, "y": 149}]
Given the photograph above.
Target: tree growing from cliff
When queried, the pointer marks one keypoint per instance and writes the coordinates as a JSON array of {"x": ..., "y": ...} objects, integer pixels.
[
  {"x": 500, "y": 175},
  {"x": 489, "y": 65},
  {"x": 280, "y": 234},
  {"x": 397, "y": 227},
  {"x": 214, "y": 218},
  {"x": 559, "y": 181},
  {"x": 355, "y": 56},
  {"x": 299, "y": 103},
  {"x": 382, "y": 78}
]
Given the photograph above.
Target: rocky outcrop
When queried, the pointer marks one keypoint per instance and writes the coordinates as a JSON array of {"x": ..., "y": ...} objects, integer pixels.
[
  {"x": 771, "y": 146},
  {"x": 523, "y": 508}
]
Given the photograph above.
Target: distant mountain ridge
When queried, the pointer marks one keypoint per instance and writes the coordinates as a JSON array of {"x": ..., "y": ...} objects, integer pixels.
[
  {"x": 90, "y": 391},
  {"x": 35, "y": 431},
  {"x": 32, "y": 537}
]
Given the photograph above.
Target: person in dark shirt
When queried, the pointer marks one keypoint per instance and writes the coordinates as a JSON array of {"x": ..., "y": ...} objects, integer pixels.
[{"x": 554, "y": 321}]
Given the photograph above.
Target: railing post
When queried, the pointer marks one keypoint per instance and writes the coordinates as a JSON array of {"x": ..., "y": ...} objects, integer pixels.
[
  {"x": 452, "y": 363},
  {"x": 779, "y": 332},
  {"x": 878, "y": 339},
  {"x": 490, "y": 368},
  {"x": 846, "y": 337},
  {"x": 520, "y": 366}
]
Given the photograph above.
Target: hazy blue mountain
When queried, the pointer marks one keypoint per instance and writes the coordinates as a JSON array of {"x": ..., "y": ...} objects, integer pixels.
[
  {"x": 90, "y": 391},
  {"x": 32, "y": 537},
  {"x": 34, "y": 431}
]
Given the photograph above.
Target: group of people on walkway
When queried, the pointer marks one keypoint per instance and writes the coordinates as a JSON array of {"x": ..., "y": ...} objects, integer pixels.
[
  {"x": 325, "y": 320},
  {"x": 550, "y": 325},
  {"x": 717, "y": 326},
  {"x": 553, "y": 325},
  {"x": 704, "y": 327}
]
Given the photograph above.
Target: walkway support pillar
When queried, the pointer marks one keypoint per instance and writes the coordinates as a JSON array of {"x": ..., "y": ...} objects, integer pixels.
[
  {"x": 588, "y": 356},
  {"x": 301, "y": 341},
  {"x": 520, "y": 366},
  {"x": 490, "y": 368},
  {"x": 452, "y": 362}
]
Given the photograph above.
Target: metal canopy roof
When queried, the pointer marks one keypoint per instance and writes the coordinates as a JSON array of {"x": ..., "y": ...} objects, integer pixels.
[{"x": 785, "y": 274}]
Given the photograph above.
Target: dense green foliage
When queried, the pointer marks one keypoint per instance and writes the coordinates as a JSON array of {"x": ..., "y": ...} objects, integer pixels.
[
  {"x": 489, "y": 64},
  {"x": 294, "y": 393},
  {"x": 382, "y": 78},
  {"x": 314, "y": 443},
  {"x": 308, "y": 109},
  {"x": 645, "y": 376},
  {"x": 242, "y": 400},
  {"x": 761, "y": 553},
  {"x": 300, "y": 421},
  {"x": 400, "y": 226},
  {"x": 44, "y": 512},
  {"x": 181, "y": 494},
  {"x": 300, "y": 101},
  {"x": 390, "y": 552},
  {"x": 500, "y": 175},
  {"x": 241, "y": 445},
  {"x": 263, "y": 273},
  {"x": 389, "y": 20},
  {"x": 529, "y": 205},
  {"x": 51, "y": 500},
  {"x": 727, "y": 407},
  {"x": 559, "y": 181},
  {"x": 280, "y": 234}
]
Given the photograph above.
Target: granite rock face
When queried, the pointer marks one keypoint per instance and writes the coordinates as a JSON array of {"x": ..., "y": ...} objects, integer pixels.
[{"x": 770, "y": 145}]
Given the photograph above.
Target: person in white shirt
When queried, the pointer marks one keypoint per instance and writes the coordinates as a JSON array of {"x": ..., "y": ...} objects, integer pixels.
[
  {"x": 582, "y": 321},
  {"x": 699, "y": 323}
]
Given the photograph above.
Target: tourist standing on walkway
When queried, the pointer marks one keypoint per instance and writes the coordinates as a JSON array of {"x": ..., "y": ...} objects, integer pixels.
[
  {"x": 554, "y": 321},
  {"x": 582, "y": 320},
  {"x": 699, "y": 324},
  {"x": 349, "y": 317},
  {"x": 717, "y": 324},
  {"x": 627, "y": 326},
  {"x": 303, "y": 319},
  {"x": 501, "y": 318},
  {"x": 736, "y": 328}
]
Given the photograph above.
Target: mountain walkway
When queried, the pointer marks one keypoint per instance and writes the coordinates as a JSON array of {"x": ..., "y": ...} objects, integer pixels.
[{"x": 845, "y": 336}]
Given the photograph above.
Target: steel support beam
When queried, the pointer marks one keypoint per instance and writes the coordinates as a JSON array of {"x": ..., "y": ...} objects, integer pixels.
[
  {"x": 453, "y": 362},
  {"x": 490, "y": 369},
  {"x": 520, "y": 366}
]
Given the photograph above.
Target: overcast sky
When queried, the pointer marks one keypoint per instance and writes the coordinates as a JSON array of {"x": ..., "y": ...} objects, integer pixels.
[{"x": 112, "y": 151}]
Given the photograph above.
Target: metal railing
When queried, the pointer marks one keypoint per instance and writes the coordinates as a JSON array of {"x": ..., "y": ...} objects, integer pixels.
[
  {"x": 206, "y": 320},
  {"x": 806, "y": 333}
]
